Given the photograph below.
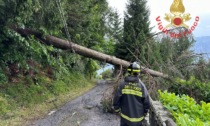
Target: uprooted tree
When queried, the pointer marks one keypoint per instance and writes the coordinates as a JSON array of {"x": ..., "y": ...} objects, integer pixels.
[{"x": 67, "y": 45}]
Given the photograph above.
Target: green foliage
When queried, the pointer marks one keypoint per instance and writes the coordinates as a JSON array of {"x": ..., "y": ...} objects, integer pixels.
[
  {"x": 4, "y": 105},
  {"x": 175, "y": 57},
  {"x": 31, "y": 72},
  {"x": 192, "y": 87},
  {"x": 86, "y": 26},
  {"x": 59, "y": 87},
  {"x": 3, "y": 77},
  {"x": 91, "y": 67},
  {"x": 107, "y": 74},
  {"x": 115, "y": 28},
  {"x": 184, "y": 120},
  {"x": 136, "y": 31},
  {"x": 27, "y": 94},
  {"x": 185, "y": 109}
]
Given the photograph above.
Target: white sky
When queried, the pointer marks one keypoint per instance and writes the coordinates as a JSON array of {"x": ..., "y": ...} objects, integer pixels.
[{"x": 157, "y": 8}]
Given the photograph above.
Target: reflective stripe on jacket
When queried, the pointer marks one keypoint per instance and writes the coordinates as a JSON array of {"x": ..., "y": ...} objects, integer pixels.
[{"x": 132, "y": 99}]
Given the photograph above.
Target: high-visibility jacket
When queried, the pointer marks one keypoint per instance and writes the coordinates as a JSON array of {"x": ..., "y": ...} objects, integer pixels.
[{"x": 132, "y": 100}]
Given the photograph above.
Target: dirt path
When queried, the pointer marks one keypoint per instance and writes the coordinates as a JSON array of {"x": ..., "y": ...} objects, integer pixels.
[{"x": 86, "y": 110}]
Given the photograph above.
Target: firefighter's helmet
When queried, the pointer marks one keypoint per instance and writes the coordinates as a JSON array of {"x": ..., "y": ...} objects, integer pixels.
[{"x": 134, "y": 68}]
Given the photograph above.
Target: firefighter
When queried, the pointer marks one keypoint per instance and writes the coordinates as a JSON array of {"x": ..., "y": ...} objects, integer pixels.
[{"x": 131, "y": 98}]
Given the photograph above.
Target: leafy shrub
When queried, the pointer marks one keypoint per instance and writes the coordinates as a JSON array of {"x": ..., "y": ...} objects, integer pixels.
[
  {"x": 185, "y": 109},
  {"x": 107, "y": 74},
  {"x": 3, "y": 77},
  {"x": 184, "y": 120},
  {"x": 192, "y": 87}
]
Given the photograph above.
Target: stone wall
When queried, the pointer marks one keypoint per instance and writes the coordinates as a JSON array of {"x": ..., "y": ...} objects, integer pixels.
[{"x": 159, "y": 116}]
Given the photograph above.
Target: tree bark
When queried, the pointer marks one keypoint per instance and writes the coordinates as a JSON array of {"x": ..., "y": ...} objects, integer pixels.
[{"x": 67, "y": 45}]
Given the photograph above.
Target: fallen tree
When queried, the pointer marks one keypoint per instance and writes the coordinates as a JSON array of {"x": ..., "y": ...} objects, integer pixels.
[{"x": 67, "y": 45}]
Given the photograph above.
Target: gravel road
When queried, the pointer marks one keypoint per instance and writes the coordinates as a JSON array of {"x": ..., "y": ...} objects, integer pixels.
[{"x": 85, "y": 110}]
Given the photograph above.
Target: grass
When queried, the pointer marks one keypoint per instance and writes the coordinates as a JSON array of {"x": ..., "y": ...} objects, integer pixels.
[{"x": 25, "y": 104}]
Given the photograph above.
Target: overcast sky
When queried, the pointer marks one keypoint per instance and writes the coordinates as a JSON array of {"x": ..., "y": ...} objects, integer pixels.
[{"x": 157, "y": 8}]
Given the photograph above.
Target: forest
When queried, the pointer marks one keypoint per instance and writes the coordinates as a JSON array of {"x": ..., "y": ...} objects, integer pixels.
[{"x": 33, "y": 72}]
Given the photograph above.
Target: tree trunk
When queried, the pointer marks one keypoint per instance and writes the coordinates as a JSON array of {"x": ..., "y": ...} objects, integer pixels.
[{"x": 67, "y": 45}]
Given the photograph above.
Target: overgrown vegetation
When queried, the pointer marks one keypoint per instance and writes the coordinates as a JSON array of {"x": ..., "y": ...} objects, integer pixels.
[
  {"x": 20, "y": 103},
  {"x": 185, "y": 109},
  {"x": 200, "y": 91}
]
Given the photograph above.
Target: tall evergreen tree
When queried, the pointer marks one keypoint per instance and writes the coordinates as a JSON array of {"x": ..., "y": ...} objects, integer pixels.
[
  {"x": 114, "y": 29},
  {"x": 114, "y": 26},
  {"x": 136, "y": 32}
]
